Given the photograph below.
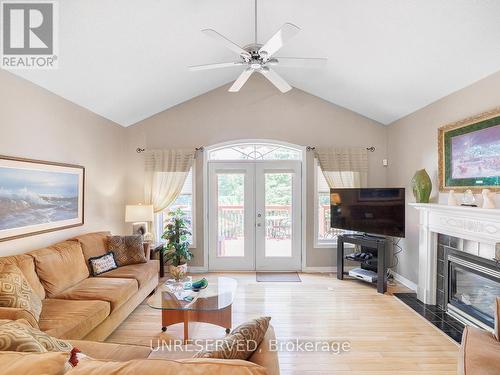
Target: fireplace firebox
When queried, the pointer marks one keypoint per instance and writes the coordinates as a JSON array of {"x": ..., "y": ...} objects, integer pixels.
[{"x": 471, "y": 286}]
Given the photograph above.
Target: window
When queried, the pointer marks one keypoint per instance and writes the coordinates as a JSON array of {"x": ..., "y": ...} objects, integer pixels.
[
  {"x": 185, "y": 201},
  {"x": 325, "y": 236},
  {"x": 255, "y": 151}
]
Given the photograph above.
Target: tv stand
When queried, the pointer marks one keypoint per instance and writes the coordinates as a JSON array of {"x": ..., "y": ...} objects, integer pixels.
[{"x": 376, "y": 245}]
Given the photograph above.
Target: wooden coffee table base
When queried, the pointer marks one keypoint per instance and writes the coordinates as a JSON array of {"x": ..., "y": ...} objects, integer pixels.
[{"x": 220, "y": 318}]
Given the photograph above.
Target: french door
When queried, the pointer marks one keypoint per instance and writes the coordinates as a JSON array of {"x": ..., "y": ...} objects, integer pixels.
[{"x": 255, "y": 215}]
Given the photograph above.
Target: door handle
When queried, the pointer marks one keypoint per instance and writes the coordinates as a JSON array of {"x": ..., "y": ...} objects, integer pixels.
[{"x": 259, "y": 224}]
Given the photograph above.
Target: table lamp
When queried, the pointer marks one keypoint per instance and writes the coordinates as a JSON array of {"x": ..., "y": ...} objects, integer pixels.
[{"x": 139, "y": 215}]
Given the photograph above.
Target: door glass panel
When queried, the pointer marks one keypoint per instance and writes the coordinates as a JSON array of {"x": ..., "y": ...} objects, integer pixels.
[
  {"x": 255, "y": 152},
  {"x": 231, "y": 215},
  {"x": 278, "y": 214}
]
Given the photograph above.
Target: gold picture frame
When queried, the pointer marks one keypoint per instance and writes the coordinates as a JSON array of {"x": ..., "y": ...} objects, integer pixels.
[{"x": 471, "y": 124}]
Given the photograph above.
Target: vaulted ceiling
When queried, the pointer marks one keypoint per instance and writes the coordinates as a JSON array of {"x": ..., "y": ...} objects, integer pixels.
[{"x": 127, "y": 60}]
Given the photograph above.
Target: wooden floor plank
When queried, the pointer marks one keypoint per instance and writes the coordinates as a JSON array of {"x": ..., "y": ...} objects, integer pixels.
[{"x": 386, "y": 337}]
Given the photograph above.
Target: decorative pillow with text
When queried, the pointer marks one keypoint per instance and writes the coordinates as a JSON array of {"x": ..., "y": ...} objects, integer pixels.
[{"x": 101, "y": 264}]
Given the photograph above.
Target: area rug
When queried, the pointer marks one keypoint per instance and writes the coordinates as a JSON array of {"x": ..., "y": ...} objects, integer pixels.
[{"x": 284, "y": 277}]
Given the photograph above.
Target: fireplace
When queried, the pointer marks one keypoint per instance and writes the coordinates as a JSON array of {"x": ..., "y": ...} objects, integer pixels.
[{"x": 471, "y": 285}]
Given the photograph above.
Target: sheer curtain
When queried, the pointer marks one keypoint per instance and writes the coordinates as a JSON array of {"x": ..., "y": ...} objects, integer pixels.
[
  {"x": 344, "y": 167},
  {"x": 165, "y": 174}
]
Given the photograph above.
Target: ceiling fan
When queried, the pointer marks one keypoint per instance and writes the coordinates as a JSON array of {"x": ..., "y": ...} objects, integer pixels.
[{"x": 260, "y": 58}]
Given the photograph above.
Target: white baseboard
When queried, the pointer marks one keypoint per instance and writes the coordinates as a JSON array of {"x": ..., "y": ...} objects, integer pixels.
[
  {"x": 403, "y": 280},
  {"x": 319, "y": 269},
  {"x": 199, "y": 269}
]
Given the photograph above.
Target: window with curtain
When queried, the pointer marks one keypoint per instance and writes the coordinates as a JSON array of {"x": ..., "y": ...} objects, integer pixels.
[
  {"x": 185, "y": 201},
  {"x": 168, "y": 173},
  {"x": 325, "y": 235},
  {"x": 335, "y": 168}
]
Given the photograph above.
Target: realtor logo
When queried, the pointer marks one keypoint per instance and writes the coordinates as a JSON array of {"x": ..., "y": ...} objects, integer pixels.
[{"x": 29, "y": 35}]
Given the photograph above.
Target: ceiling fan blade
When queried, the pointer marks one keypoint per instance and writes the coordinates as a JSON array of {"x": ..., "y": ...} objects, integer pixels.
[
  {"x": 303, "y": 62},
  {"x": 215, "y": 66},
  {"x": 276, "y": 79},
  {"x": 226, "y": 42},
  {"x": 241, "y": 80},
  {"x": 277, "y": 41}
]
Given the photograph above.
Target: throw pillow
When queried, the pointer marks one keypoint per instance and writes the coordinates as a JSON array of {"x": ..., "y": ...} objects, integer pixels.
[
  {"x": 127, "y": 249},
  {"x": 104, "y": 263},
  {"x": 240, "y": 343},
  {"x": 18, "y": 337},
  {"x": 15, "y": 291}
]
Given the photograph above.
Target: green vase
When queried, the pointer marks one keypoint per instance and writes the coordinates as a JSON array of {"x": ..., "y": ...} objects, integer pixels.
[{"x": 422, "y": 186}]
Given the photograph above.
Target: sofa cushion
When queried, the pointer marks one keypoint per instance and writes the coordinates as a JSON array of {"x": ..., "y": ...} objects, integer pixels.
[
  {"x": 69, "y": 319},
  {"x": 15, "y": 291},
  {"x": 16, "y": 313},
  {"x": 16, "y": 363},
  {"x": 113, "y": 290},
  {"x": 26, "y": 264},
  {"x": 127, "y": 249},
  {"x": 93, "y": 244},
  {"x": 111, "y": 352},
  {"x": 166, "y": 367},
  {"x": 265, "y": 356},
  {"x": 479, "y": 353},
  {"x": 60, "y": 266},
  {"x": 20, "y": 337},
  {"x": 142, "y": 272}
]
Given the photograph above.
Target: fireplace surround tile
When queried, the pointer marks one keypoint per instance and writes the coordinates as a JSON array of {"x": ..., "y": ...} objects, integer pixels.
[
  {"x": 471, "y": 247},
  {"x": 456, "y": 243},
  {"x": 487, "y": 250},
  {"x": 443, "y": 239}
]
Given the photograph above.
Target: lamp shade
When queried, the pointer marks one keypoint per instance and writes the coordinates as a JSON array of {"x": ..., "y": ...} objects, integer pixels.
[{"x": 138, "y": 213}]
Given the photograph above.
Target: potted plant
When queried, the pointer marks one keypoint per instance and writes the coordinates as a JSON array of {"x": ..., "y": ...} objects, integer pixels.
[{"x": 176, "y": 248}]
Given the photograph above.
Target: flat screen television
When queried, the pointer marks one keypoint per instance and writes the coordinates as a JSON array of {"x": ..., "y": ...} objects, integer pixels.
[{"x": 379, "y": 211}]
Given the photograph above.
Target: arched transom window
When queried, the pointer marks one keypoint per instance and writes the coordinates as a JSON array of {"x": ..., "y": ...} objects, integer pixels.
[{"x": 255, "y": 151}]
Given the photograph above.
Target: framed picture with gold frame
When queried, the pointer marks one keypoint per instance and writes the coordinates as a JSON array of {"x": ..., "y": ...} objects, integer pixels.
[{"x": 469, "y": 153}]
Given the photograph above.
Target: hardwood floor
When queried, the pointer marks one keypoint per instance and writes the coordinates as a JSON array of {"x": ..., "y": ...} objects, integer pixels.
[{"x": 386, "y": 336}]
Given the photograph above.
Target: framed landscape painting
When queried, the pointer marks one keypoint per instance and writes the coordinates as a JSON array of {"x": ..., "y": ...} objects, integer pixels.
[
  {"x": 38, "y": 197},
  {"x": 469, "y": 153}
]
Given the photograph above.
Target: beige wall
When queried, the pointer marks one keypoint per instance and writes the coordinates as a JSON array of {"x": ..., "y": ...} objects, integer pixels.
[
  {"x": 412, "y": 145},
  {"x": 257, "y": 112},
  {"x": 37, "y": 124}
]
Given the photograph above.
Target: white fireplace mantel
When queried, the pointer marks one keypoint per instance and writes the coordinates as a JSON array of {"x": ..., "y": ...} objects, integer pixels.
[{"x": 470, "y": 223}]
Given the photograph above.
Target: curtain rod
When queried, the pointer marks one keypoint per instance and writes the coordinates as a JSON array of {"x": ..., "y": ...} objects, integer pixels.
[
  {"x": 201, "y": 148},
  {"x": 312, "y": 148},
  {"x": 141, "y": 150}
]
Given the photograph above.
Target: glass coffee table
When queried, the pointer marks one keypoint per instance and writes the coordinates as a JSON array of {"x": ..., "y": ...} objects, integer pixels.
[{"x": 210, "y": 305}]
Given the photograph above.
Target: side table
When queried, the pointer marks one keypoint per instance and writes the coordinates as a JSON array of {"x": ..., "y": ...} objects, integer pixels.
[{"x": 156, "y": 248}]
